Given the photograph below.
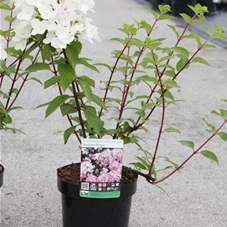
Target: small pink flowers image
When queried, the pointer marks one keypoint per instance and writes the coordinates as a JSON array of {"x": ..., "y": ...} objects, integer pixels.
[{"x": 101, "y": 165}]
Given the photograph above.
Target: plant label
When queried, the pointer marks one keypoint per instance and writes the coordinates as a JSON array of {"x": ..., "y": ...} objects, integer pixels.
[{"x": 101, "y": 168}]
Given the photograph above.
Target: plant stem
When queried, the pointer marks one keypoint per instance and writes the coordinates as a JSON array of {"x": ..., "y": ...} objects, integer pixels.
[
  {"x": 125, "y": 94},
  {"x": 61, "y": 93},
  {"x": 161, "y": 124},
  {"x": 13, "y": 82},
  {"x": 147, "y": 177},
  {"x": 112, "y": 73},
  {"x": 189, "y": 158},
  {"x": 22, "y": 84},
  {"x": 79, "y": 110}
]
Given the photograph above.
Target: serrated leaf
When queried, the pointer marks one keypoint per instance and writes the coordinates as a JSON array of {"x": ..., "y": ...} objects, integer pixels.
[
  {"x": 72, "y": 54},
  {"x": 93, "y": 120},
  {"x": 53, "y": 80},
  {"x": 200, "y": 60},
  {"x": 68, "y": 132},
  {"x": 181, "y": 50},
  {"x": 67, "y": 75},
  {"x": 67, "y": 109},
  {"x": 55, "y": 104},
  {"x": 86, "y": 87},
  {"x": 84, "y": 61},
  {"x": 210, "y": 155},
  {"x": 181, "y": 64},
  {"x": 223, "y": 136},
  {"x": 47, "y": 52},
  {"x": 187, "y": 143},
  {"x": 37, "y": 67},
  {"x": 36, "y": 80},
  {"x": 171, "y": 129}
]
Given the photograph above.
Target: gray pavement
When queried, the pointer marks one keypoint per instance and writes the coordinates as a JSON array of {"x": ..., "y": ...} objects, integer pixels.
[{"x": 197, "y": 196}]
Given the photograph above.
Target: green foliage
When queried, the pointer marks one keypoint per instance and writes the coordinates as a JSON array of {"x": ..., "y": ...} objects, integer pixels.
[
  {"x": 210, "y": 155},
  {"x": 187, "y": 143}
]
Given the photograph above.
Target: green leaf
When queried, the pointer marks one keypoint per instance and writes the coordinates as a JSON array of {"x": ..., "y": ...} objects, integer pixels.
[
  {"x": 166, "y": 17},
  {"x": 72, "y": 54},
  {"x": 210, "y": 155},
  {"x": 37, "y": 67},
  {"x": 55, "y": 104},
  {"x": 174, "y": 30},
  {"x": 189, "y": 144},
  {"x": 53, "y": 80},
  {"x": 182, "y": 63},
  {"x": 171, "y": 129},
  {"x": 85, "y": 84},
  {"x": 4, "y": 6},
  {"x": 98, "y": 101},
  {"x": 171, "y": 84},
  {"x": 92, "y": 118},
  {"x": 67, "y": 75},
  {"x": 215, "y": 112},
  {"x": 84, "y": 61},
  {"x": 223, "y": 114},
  {"x": 68, "y": 132},
  {"x": 181, "y": 50},
  {"x": 36, "y": 79},
  {"x": 138, "y": 165},
  {"x": 2, "y": 109},
  {"x": 67, "y": 109},
  {"x": 175, "y": 165},
  {"x": 224, "y": 100},
  {"x": 122, "y": 41},
  {"x": 153, "y": 13},
  {"x": 223, "y": 136},
  {"x": 104, "y": 65},
  {"x": 170, "y": 73},
  {"x": 200, "y": 60},
  {"x": 186, "y": 18},
  {"x": 47, "y": 52}
]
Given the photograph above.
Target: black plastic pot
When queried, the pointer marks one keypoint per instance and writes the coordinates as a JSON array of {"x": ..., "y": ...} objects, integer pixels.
[
  {"x": 1, "y": 175},
  {"x": 181, "y": 6},
  {"x": 83, "y": 212}
]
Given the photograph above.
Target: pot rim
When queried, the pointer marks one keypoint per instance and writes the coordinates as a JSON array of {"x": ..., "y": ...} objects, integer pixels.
[{"x": 72, "y": 190}]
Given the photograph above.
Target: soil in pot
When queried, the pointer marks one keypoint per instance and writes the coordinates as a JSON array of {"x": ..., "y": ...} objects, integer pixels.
[{"x": 83, "y": 212}]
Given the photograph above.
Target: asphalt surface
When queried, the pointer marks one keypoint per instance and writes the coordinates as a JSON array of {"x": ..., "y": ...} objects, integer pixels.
[{"x": 197, "y": 195}]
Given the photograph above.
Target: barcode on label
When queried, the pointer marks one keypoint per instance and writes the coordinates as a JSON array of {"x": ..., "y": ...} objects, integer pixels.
[{"x": 85, "y": 186}]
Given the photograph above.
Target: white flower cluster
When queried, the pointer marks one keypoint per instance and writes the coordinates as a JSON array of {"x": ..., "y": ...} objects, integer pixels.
[{"x": 60, "y": 20}]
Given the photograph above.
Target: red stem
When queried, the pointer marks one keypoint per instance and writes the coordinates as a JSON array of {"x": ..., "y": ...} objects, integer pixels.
[
  {"x": 189, "y": 158},
  {"x": 61, "y": 93},
  {"x": 112, "y": 73}
]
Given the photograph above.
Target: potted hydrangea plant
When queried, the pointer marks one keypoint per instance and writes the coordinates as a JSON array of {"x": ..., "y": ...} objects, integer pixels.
[{"x": 141, "y": 85}]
